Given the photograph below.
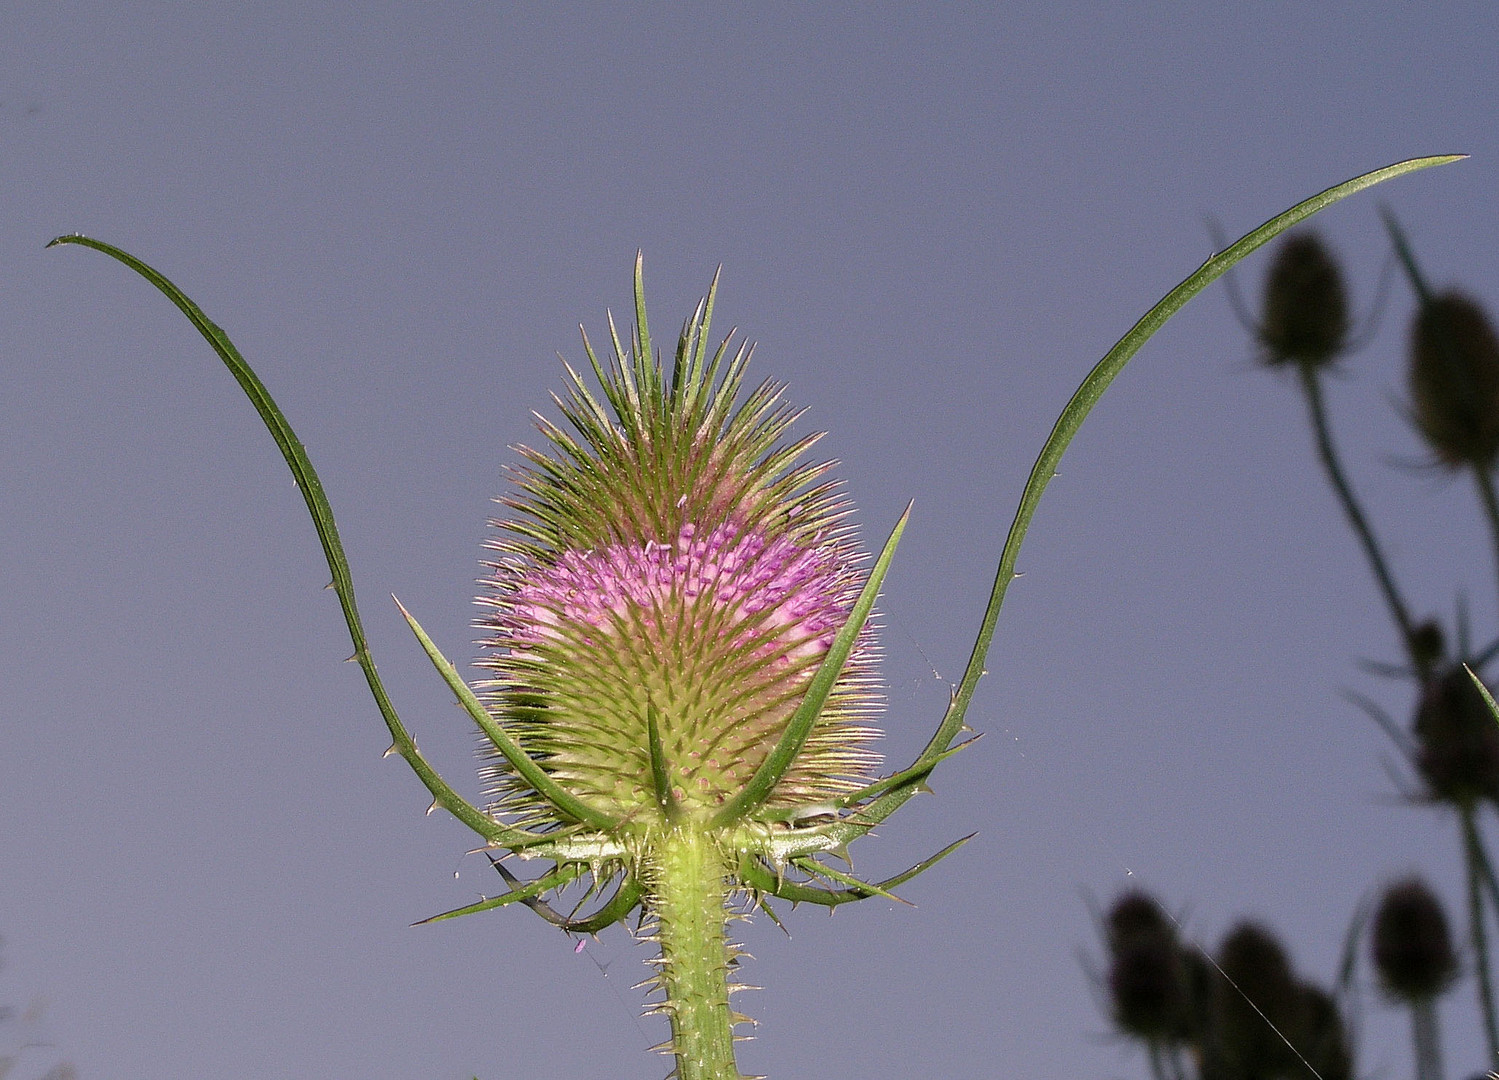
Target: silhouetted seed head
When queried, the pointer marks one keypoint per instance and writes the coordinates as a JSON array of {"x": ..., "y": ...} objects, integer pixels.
[
  {"x": 1148, "y": 978},
  {"x": 1257, "y": 995},
  {"x": 1306, "y": 308},
  {"x": 1135, "y": 914},
  {"x": 1428, "y": 645},
  {"x": 1202, "y": 983},
  {"x": 1457, "y": 741},
  {"x": 1321, "y": 1038},
  {"x": 1454, "y": 381},
  {"x": 1411, "y": 944}
]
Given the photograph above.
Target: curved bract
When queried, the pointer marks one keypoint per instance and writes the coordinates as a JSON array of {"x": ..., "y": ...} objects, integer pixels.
[{"x": 680, "y": 647}]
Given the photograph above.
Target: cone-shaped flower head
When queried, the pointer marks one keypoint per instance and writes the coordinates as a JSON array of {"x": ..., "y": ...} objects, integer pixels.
[
  {"x": 1320, "y": 1038},
  {"x": 1454, "y": 380},
  {"x": 1306, "y": 307},
  {"x": 1457, "y": 741},
  {"x": 1411, "y": 943},
  {"x": 1257, "y": 995},
  {"x": 1148, "y": 976},
  {"x": 669, "y": 580}
]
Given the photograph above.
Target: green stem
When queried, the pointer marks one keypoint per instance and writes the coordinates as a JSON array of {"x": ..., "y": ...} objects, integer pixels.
[
  {"x": 1312, "y": 387},
  {"x": 1476, "y": 861},
  {"x": 689, "y": 890},
  {"x": 1485, "y": 481}
]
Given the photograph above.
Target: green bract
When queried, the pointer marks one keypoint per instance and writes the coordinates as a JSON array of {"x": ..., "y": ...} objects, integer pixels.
[{"x": 681, "y": 666}]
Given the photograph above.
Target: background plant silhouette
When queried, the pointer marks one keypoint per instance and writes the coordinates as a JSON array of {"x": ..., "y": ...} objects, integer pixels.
[{"x": 1170, "y": 996}]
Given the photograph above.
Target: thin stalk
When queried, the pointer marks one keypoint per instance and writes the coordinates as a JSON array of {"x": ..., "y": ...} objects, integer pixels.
[
  {"x": 1486, "y": 875},
  {"x": 1485, "y": 480},
  {"x": 1476, "y": 860},
  {"x": 1178, "y": 1070},
  {"x": 1311, "y": 385},
  {"x": 1425, "y": 1039},
  {"x": 689, "y": 892},
  {"x": 1157, "y": 1060}
]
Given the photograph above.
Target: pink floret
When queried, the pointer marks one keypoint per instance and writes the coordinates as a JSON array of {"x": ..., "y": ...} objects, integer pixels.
[{"x": 780, "y": 583}]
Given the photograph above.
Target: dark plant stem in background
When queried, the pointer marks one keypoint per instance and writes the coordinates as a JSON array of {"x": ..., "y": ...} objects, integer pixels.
[
  {"x": 1482, "y": 473},
  {"x": 1480, "y": 877},
  {"x": 1406, "y": 256},
  {"x": 1165, "y": 1062},
  {"x": 1157, "y": 1061},
  {"x": 1485, "y": 480},
  {"x": 1424, "y": 1037},
  {"x": 1311, "y": 385}
]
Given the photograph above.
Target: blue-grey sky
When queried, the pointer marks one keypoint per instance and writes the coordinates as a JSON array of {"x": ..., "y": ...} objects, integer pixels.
[{"x": 933, "y": 219}]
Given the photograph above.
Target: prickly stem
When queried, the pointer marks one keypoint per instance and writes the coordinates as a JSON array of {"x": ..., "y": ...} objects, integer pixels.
[{"x": 689, "y": 891}]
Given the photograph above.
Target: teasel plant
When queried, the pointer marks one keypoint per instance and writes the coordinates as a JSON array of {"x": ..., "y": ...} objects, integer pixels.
[
  {"x": 682, "y": 684},
  {"x": 1453, "y": 381},
  {"x": 1451, "y": 744},
  {"x": 1413, "y": 956},
  {"x": 1305, "y": 328},
  {"x": 1239, "y": 1013}
]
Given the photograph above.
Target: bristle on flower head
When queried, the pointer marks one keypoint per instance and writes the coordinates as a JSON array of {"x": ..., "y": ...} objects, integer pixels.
[{"x": 671, "y": 575}]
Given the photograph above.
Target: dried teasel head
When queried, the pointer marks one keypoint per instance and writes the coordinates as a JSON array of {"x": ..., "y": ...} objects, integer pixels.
[
  {"x": 1305, "y": 319},
  {"x": 1148, "y": 980},
  {"x": 1256, "y": 997},
  {"x": 1454, "y": 381},
  {"x": 1456, "y": 741},
  {"x": 1320, "y": 1038},
  {"x": 1411, "y": 943}
]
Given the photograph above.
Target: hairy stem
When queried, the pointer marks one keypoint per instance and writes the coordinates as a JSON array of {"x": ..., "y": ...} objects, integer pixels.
[
  {"x": 689, "y": 892},
  {"x": 1312, "y": 387}
]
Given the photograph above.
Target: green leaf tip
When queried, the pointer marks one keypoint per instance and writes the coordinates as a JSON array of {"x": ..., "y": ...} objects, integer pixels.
[
  {"x": 566, "y": 802},
  {"x": 1488, "y": 698},
  {"x": 797, "y": 729},
  {"x": 1088, "y": 393}
]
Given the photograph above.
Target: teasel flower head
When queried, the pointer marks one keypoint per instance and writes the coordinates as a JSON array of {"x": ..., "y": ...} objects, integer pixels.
[
  {"x": 1411, "y": 943},
  {"x": 1456, "y": 741},
  {"x": 677, "y": 633},
  {"x": 1148, "y": 980},
  {"x": 1305, "y": 319},
  {"x": 1454, "y": 381},
  {"x": 669, "y": 578},
  {"x": 1257, "y": 998},
  {"x": 1321, "y": 1043}
]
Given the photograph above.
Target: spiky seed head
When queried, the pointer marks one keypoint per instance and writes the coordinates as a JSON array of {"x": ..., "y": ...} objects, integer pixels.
[
  {"x": 1306, "y": 307},
  {"x": 1456, "y": 740},
  {"x": 669, "y": 567},
  {"x": 1320, "y": 1037},
  {"x": 1135, "y": 914},
  {"x": 1148, "y": 977},
  {"x": 1411, "y": 943},
  {"x": 1454, "y": 380},
  {"x": 1256, "y": 985},
  {"x": 1428, "y": 644}
]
